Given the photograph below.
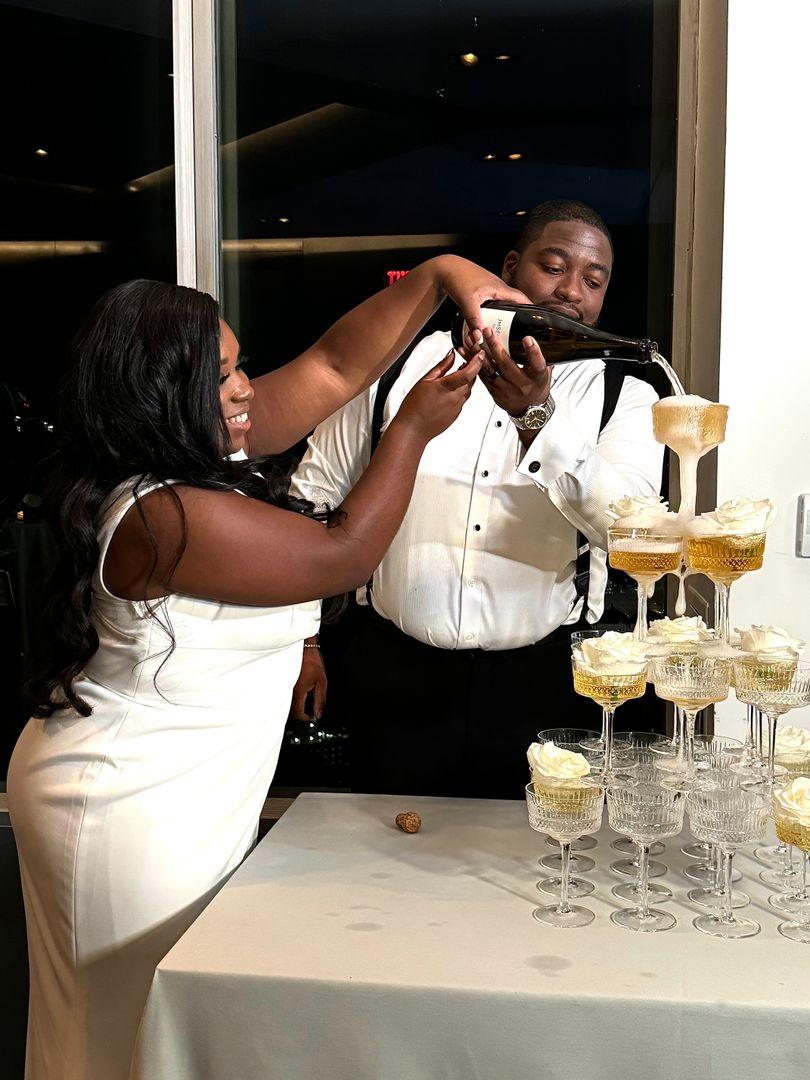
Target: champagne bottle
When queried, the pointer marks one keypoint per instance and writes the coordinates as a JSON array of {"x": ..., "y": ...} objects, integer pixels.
[{"x": 561, "y": 339}]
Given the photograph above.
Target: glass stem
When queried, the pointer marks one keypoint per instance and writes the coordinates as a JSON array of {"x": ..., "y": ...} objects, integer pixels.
[
  {"x": 607, "y": 718},
  {"x": 727, "y": 913},
  {"x": 677, "y": 729},
  {"x": 721, "y": 596},
  {"x": 717, "y": 859},
  {"x": 748, "y": 747},
  {"x": 604, "y": 727},
  {"x": 643, "y": 880},
  {"x": 772, "y": 721},
  {"x": 801, "y": 891},
  {"x": 760, "y": 743},
  {"x": 640, "y": 632},
  {"x": 691, "y": 716},
  {"x": 788, "y": 862},
  {"x": 565, "y": 856}
]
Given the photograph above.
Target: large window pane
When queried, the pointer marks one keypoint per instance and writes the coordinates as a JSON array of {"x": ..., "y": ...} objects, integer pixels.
[
  {"x": 87, "y": 201},
  {"x": 360, "y": 138}
]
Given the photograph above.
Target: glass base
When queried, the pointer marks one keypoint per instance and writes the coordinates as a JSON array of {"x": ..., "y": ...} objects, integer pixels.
[
  {"x": 632, "y": 892},
  {"x": 576, "y": 886},
  {"x": 596, "y": 746},
  {"x": 584, "y": 843},
  {"x": 714, "y": 926},
  {"x": 673, "y": 768},
  {"x": 770, "y": 853},
  {"x": 796, "y": 931},
  {"x": 697, "y": 850},
  {"x": 575, "y": 916},
  {"x": 627, "y": 847},
  {"x": 580, "y": 864},
  {"x": 651, "y": 923},
  {"x": 779, "y": 879},
  {"x": 763, "y": 785},
  {"x": 703, "y": 873},
  {"x": 749, "y": 767},
  {"x": 629, "y": 868},
  {"x": 708, "y": 898},
  {"x": 790, "y": 903}
]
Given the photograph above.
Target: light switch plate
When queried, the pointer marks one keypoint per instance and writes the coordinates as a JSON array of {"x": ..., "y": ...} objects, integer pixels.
[{"x": 803, "y": 528}]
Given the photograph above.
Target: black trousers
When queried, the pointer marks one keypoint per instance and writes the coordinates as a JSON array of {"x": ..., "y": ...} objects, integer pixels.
[{"x": 428, "y": 721}]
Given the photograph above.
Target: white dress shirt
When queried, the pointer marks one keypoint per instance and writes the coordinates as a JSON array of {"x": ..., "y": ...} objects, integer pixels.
[{"x": 485, "y": 556}]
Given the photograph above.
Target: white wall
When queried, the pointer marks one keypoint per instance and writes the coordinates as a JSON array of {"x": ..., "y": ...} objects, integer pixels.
[{"x": 765, "y": 327}]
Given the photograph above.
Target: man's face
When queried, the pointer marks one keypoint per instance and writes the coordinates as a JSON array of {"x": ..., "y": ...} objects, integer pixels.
[{"x": 566, "y": 268}]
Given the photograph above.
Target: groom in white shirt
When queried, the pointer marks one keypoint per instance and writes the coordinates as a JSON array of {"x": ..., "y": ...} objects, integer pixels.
[{"x": 465, "y": 652}]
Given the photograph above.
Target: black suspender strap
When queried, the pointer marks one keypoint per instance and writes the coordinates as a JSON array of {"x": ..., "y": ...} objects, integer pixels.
[
  {"x": 387, "y": 380},
  {"x": 614, "y": 379}
]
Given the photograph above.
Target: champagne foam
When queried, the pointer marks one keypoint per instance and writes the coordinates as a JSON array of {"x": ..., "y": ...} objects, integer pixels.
[
  {"x": 646, "y": 544},
  {"x": 682, "y": 401}
]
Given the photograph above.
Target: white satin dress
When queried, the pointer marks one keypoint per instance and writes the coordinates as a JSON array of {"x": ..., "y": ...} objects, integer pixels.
[{"x": 129, "y": 820}]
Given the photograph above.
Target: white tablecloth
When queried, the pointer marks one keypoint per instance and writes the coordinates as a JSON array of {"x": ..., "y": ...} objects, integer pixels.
[{"x": 344, "y": 949}]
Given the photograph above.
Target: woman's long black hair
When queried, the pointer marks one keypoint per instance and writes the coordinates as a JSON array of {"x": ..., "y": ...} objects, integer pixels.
[{"x": 141, "y": 400}]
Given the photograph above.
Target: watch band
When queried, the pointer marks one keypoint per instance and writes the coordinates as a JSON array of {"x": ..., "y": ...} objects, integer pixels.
[{"x": 535, "y": 417}]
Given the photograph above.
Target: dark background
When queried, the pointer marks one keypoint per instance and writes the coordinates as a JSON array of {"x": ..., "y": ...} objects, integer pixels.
[{"x": 361, "y": 119}]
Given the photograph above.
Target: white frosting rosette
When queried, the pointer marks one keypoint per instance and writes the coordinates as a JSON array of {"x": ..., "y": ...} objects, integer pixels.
[
  {"x": 769, "y": 642},
  {"x": 684, "y": 629},
  {"x": 737, "y": 517},
  {"x": 611, "y": 653},
  {"x": 641, "y": 512},
  {"x": 549, "y": 760},
  {"x": 793, "y": 801},
  {"x": 792, "y": 740}
]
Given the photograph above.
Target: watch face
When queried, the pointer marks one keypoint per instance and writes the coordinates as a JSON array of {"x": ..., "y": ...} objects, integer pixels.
[{"x": 535, "y": 417}]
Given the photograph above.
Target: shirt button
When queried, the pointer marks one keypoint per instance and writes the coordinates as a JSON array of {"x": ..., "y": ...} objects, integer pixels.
[
  {"x": 468, "y": 637},
  {"x": 477, "y": 528},
  {"x": 471, "y": 583},
  {"x": 534, "y": 466},
  {"x": 498, "y": 423},
  {"x": 485, "y": 472}
]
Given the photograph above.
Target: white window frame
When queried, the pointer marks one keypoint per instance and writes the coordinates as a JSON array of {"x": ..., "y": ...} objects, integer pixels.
[{"x": 196, "y": 144}]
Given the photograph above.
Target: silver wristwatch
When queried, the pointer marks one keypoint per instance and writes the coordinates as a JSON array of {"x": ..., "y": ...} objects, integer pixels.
[{"x": 535, "y": 417}]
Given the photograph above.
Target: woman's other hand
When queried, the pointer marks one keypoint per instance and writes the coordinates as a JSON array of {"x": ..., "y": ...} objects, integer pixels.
[{"x": 431, "y": 406}]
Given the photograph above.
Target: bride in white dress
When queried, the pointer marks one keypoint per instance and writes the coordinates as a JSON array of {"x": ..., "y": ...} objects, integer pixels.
[{"x": 189, "y": 580}]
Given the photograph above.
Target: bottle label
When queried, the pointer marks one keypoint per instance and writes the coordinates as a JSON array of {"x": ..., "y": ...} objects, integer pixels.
[{"x": 500, "y": 321}]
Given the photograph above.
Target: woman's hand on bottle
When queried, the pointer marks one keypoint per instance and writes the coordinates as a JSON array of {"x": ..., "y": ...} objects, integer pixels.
[
  {"x": 431, "y": 406},
  {"x": 470, "y": 286}
]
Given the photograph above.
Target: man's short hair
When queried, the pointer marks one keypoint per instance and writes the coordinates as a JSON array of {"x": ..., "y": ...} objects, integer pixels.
[{"x": 559, "y": 210}]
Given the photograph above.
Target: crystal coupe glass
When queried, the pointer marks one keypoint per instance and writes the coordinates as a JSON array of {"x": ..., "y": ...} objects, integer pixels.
[
  {"x": 572, "y": 739},
  {"x": 691, "y": 680},
  {"x": 775, "y": 687},
  {"x": 728, "y": 817},
  {"x": 645, "y": 556},
  {"x": 610, "y": 691},
  {"x": 724, "y": 558},
  {"x": 794, "y": 832},
  {"x": 646, "y": 812},
  {"x": 565, "y": 809}
]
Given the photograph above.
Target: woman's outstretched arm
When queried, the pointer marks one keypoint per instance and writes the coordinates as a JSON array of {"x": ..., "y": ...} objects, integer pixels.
[
  {"x": 242, "y": 551},
  {"x": 291, "y": 401}
]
